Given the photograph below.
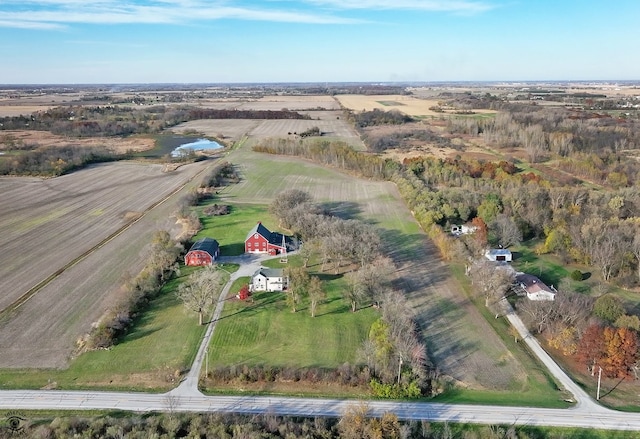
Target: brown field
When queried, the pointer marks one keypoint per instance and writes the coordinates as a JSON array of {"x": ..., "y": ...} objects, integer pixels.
[
  {"x": 293, "y": 103},
  {"x": 330, "y": 123},
  {"x": 47, "y": 224},
  {"x": 45, "y": 138},
  {"x": 409, "y": 105}
]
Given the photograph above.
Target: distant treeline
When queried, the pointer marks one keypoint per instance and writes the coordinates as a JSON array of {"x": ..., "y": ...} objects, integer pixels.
[
  {"x": 54, "y": 161},
  {"x": 208, "y": 113},
  {"x": 111, "y": 120}
]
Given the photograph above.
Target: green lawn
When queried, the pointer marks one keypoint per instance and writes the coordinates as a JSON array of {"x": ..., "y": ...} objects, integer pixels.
[
  {"x": 163, "y": 340},
  {"x": 265, "y": 331}
]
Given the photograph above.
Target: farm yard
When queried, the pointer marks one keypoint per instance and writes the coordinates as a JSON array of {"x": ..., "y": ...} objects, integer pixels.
[
  {"x": 54, "y": 221},
  {"x": 48, "y": 224},
  {"x": 459, "y": 340}
]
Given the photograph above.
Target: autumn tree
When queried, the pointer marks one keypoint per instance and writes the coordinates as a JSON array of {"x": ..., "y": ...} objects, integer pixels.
[
  {"x": 620, "y": 351},
  {"x": 201, "y": 290},
  {"x": 591, "y": 346}
]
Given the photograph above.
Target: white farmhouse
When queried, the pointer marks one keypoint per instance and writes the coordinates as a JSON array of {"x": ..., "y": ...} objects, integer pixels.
[{"x": 268, "y": 279}]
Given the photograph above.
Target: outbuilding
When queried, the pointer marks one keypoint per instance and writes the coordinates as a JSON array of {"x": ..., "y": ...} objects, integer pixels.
[
  {"x": 203, "y": 252},
  {"x": 499, "y": 255}
]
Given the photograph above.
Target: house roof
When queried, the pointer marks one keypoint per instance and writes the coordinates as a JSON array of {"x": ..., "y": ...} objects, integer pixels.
[
  {"x": 274, "y": 238},
  {"x": 498, "y": 252},
  {"x": 208, "y": 245},
  {"x": 532, "y": 284},
  {"x": 269, "y": 272}
]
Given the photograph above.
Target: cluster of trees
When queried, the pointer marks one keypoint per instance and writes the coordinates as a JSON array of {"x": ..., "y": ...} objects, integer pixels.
[
  {"x": 598, "y": 333},
  {"x": 588, "y": 147},
  {"x": 379, "y": 117},
  {"x": 393, "y": 346},
  {"x": 311, "y": 132},
  {"x": 337, "y": 241},
  {"x": 406, "y": 138},
  {"x": 137, "y": 292},
  {"x": 54, "y": 161},
  {"x": 222, "y": 174}
]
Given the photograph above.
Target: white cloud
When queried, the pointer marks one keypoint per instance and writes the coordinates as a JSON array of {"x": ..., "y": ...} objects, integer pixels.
[
  {"x": 462, "y": 6},
  {"x": 52, "y": 14}
]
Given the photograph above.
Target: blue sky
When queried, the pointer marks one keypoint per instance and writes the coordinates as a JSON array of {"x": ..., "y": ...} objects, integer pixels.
[{"x": 212, "y": 41}]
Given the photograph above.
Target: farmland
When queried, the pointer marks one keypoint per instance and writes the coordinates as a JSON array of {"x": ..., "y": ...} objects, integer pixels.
[
  {"x": 47, "y": 225},
  {"x": 42, "y": 332}
]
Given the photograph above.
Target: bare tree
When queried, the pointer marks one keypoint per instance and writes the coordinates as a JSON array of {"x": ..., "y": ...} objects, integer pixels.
[
  {"x": 316, "y": 294},
  {"x": 490, "y": 280},
  {"x": 201, "y": 289},
  {"x": 299, "y": 281},
  {"x": 506, "y": 230}
]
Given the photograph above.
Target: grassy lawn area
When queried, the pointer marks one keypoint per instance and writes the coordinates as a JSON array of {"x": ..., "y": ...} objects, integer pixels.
[
  {"x": 163, "y": 341},
  {"x": 265, "y": 331}
]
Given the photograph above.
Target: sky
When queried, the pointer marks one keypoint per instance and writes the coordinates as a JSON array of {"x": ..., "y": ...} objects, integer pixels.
[{"x": 243, "y": 41}]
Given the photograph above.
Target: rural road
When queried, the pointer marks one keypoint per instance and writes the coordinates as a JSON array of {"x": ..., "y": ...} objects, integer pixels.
[{"x": 187, "y": 398}]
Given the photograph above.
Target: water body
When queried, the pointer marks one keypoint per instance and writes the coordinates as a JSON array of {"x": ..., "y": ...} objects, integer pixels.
[{"x": 192, "y": 146}]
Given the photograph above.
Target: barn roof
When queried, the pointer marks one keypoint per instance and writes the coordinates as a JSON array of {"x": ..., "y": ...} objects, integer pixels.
[
  {"x": 274, "y": 238},
  {"x": 208, "y": 245}
]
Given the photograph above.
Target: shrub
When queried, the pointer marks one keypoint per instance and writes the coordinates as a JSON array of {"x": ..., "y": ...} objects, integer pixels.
[{"x": 576, "y": 275}]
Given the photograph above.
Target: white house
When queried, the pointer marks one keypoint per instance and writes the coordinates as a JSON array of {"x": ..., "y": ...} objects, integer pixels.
[
  {"x": 268, "y": 279},
  {"x": 534, "y": 288},
  {"x": 462, "y": 230},
  {"x": 498, "y": 255}
]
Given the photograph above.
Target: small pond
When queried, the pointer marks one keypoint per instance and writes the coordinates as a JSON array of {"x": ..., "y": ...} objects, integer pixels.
[
  {"x": 169, "y": 143},
  {"x": 192, "y": 146}
]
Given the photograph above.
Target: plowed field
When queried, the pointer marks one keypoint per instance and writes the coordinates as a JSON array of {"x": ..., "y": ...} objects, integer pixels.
[{"x": 47, "y": 224}]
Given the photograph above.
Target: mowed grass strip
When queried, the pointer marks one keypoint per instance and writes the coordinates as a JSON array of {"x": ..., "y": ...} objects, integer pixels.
[
  {"x": 162, "y": 341},
  {"x": 265, "y": 331}
]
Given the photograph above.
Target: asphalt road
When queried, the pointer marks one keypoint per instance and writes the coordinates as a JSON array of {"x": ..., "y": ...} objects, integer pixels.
[{"x": 187, "y": 398}]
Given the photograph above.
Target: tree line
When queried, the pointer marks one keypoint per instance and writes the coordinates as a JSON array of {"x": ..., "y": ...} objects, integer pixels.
[
  {"x": 114, "y": 120},
  {"x": 356, "y": 423}
]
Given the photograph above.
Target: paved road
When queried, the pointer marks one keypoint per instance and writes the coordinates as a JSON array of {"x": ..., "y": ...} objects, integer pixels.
[
  {"x": 186, "y": 397},
  {"x": 574, "y": 417}
]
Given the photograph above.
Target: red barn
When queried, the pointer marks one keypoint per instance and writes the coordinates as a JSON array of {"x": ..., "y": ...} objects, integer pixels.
[
  {"x": 203, "y": 252},
  {"x": 261, "y": 240}
]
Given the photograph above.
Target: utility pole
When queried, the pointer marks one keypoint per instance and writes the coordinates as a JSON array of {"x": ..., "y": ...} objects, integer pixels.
[
  {"x": 399, "y": 369},
  {"x": 599, "y": 378}
]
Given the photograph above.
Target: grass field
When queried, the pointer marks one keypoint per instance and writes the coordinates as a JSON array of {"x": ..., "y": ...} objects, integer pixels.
[
  {"x": 265, "y": 331},
  {"x": 163, "y": 341}
]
